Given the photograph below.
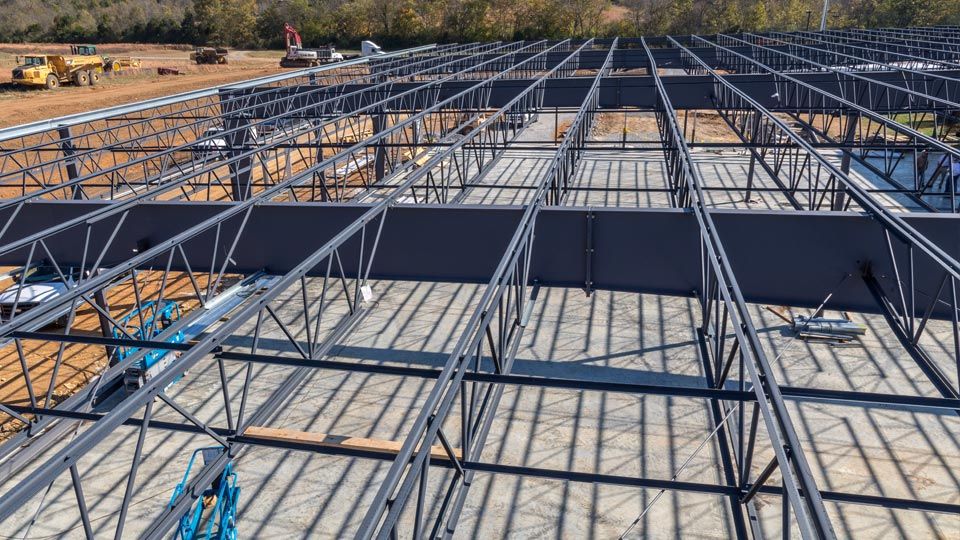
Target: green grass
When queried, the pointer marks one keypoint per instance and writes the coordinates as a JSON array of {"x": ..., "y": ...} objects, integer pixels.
[{"x": 925, "y": 126}]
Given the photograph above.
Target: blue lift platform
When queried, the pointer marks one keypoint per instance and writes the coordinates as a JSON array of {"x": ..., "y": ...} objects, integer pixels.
[{"x": 214, "y": 515}]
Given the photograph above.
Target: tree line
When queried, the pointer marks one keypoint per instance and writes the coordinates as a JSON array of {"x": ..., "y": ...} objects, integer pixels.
[{"x": 252, "y": 23}]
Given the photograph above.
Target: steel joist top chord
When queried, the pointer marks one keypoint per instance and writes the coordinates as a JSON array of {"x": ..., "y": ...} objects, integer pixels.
[{"x": 382, "y": 160}]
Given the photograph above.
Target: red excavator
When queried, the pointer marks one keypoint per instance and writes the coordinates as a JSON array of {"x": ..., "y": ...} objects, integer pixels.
[{"x": 298, "y": 57}]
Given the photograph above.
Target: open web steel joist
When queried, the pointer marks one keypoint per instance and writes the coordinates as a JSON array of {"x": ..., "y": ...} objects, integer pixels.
[{"x": 277, "y": 210}]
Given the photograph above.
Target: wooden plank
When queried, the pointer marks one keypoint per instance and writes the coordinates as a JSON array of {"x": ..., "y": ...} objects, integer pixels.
[{"x": 342, "y": 441}]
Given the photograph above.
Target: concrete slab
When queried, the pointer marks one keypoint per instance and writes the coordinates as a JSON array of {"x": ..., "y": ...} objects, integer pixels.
[{"x": 609, "y": 336}]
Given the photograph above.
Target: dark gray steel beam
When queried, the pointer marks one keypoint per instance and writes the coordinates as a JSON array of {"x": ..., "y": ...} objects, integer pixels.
[
  {"x": 811, "y": 99},
  {"x": 810, "y": 250},
  {"x": 687, "y": 91},
  {"x": 650, "y": 483},
  {"x": 720, "y": 286},
  {"x": 497, "y": 314},
  {"x": 932, "y": 405},
  {"x": 557, "y": 179},
  {"x": 373, "y": 217}
]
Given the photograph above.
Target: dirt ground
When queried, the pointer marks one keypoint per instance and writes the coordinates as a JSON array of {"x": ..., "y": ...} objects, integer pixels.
[
  {"x": 80, "y": 362},
  {"x": 700, "y": 126},
  {"x": 29, "y": 105},
  {"x": 637, "y": 126}
]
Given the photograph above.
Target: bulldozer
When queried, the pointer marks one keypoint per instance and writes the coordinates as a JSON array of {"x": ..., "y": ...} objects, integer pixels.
[
  {"x": 52, "y": 70},
  {"x": 209, "y": 55}
]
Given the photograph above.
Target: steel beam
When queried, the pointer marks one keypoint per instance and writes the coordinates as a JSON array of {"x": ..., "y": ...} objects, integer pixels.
[
  {"x": 799, "y": 96},
  {"x": 438, "y": 120},
  {"x": 373, "y": 217},
  {"x": 466, "y": 240}
]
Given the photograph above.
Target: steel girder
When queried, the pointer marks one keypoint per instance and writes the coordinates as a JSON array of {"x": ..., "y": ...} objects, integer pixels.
[
  {"x": 259, "y": 307},
  {"x": 621, "y": 92},
  {"x": 468, "y": 239},
  {"x": 719, "y": 291},
  {"x": 686, "y": 190},
  {"x": 495, "y": 328},
  {"x": 797, "y": 393},
  {"x": 472, "y": 141},
  {"x": 800, "y": 97}
]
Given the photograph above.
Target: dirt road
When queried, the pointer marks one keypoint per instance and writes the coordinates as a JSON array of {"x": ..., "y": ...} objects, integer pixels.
[{"x": 29, "y": 105}]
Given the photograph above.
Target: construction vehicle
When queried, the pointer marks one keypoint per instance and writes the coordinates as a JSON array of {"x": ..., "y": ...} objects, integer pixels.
[
  {"x": 215, "y": 515},
  {"x": 81, "y": 67},
  {"x": 145, "y": 323},
  {"x": 369, "y": 48},
  {"x": 298, "y": 57},
  {"x": 34, "y": 285},
  {"x": 212, "y": 147},
  {"x": 113, "y": 64},
  {"x": 209, "y": 55},
  {"x": 52, "y": 70}
]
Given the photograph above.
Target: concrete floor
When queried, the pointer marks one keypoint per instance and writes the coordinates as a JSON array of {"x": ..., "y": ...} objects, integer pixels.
[
  {"x": 898, "y": 452},
  {"x": 609, "y": 336}
]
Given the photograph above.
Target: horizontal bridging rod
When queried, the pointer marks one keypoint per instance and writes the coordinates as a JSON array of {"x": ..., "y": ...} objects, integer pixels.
[
  {"x": 124, "y": 204},
  {"x": 94, "y": 434},
  {"x": 248, "y": 103},
  {"x": 890, "y": 220},
  {"x": 800, "y": 486}
]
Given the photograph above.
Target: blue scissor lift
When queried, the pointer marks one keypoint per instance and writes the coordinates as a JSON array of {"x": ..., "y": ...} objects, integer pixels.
[
  {"x": 214, "y": 515},
  {"x": 145, "y": 323}
]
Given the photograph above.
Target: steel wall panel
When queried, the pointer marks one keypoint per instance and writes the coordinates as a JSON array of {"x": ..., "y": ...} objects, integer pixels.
[{"x": 788, "y": 258}]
